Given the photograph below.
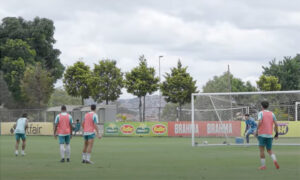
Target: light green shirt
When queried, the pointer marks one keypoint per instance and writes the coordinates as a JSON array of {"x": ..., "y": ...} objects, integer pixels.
[{"x": 20, "y": 127}]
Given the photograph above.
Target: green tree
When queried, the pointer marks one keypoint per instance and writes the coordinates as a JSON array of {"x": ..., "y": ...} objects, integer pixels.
[
  {"x": 4, "y": 92},
  {"x": 38, "y": 34},
  {"x": 13, "y": 70},
  {"x": 221, "y": 84},
  {"x": 37, "y": 86},
  {"x": 15, "y": 56},
  {"x": 25, "y": 43},
  {"x": 60, "y": 96},
  {"x": 178, "y": 86},
  {"x": 141, "y": 81},
  {"x": 107, "y": 81},
  {"x": 287, "y": 71},
  {"x": 76, "y": 80},
  {"x": 268, "y": 83}
]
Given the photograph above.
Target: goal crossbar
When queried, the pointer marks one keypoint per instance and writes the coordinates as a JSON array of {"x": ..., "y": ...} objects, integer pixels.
[{"x": 247, "y": 93}]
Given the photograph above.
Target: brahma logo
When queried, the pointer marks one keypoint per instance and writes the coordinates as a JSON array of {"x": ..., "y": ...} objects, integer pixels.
[
  {"x": 127, "y": 129},
  {"x": 159, "y": 129},
  {"x": 283, "y": 128}
]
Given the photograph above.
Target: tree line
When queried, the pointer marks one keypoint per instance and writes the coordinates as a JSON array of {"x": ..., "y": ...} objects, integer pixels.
[{"x": 30, "y": 66}]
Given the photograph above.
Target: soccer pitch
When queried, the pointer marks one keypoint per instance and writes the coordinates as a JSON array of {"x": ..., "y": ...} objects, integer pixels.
[{"x": 143, "y": 158}]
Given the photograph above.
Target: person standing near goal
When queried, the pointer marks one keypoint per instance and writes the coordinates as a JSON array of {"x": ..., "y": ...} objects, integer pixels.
[
  {"x": 63, "y": 127},
  {"x": 89, "y": 125},
  {"x": 250, "y": 127},
  {"x": 20, "y": 133},
  {"x": 266, "y": 121}
]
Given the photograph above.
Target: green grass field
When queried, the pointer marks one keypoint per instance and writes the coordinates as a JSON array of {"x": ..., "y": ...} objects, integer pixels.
[{"x": 143, "y": 158}]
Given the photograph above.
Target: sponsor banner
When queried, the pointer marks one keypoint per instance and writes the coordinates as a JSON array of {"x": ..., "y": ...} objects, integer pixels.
[
  {"x": 215, "y": 128},
  {"x": 184, "y": 128},
  {"x": 285, "y": 128},
  {"x": 34, "y": 128},
  {"x": 205, "y": 128},
  {"x": 136, "y": 129}
]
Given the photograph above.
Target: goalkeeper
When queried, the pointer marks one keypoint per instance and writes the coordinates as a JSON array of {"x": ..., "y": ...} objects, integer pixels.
[{"x": 251, "y": 127}]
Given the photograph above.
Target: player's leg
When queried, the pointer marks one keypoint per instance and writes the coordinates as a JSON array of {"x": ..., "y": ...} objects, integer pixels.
[
  {"x": 249, "y": 132},
  {"x": 262, "y": 144},
  {"x": 17, "y": 144},
  {"x": 23, "y": 144},
  {"x": 270, "y": 152},
  {"x": 89, "y": 148},
  {"x": 68, "y": 148},
  {"x": 62, "y": 148},
  {"x": 247, "y": 137},
  {"x": 84, "y": 148}
]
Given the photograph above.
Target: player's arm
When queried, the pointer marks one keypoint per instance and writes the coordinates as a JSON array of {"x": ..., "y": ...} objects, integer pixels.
[
  {"x": 259, "y": 122},
  {"x": 246, "y": 128},
  {"x": 96, "y": 121},
  {"x": 71, "y": 125},
  {"x": 26, "y": 125},
  {"x": 275, "y": 127},
  {"x": 55, "y": 125}
]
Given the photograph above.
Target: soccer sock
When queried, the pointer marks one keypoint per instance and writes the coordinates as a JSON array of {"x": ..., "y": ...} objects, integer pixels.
[
  {"x": 62, "y": 151},
  {"x": 273, "y": 157},
  {"x": 68, "y": 150},
  {"x": 17, "y": 152},
  {"x": 263, "y": 162},
  {"x": 83, "y": 156},
  {"x": 23, "y": 152},
  {"x": 247, "y": 138},
  {"x": 88, "y": 156}
]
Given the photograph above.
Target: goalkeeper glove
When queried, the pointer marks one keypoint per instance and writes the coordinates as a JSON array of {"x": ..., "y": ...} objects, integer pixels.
[{"x": 276, "y": 135}]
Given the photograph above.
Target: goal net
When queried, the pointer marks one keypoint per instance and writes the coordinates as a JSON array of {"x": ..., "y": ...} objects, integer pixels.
[{"x": 218, "y": 118}]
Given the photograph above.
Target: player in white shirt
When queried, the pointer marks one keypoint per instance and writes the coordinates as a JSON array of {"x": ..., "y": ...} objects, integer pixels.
[{"x": 20, "y": 133}]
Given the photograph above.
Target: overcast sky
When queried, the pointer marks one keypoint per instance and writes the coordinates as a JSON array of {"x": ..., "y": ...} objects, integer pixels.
[{"x": 207, "y": 35}]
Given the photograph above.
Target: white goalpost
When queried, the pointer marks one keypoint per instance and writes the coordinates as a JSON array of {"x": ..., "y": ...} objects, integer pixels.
[{"x": 219, "y": 116}]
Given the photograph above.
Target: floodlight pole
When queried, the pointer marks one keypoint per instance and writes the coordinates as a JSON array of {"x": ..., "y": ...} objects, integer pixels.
[{"x": 159, "y": 88}]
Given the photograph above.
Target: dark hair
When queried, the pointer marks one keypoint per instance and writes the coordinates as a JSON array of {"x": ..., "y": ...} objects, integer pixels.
[
  {"x": 93, "y": 107},
  {"x": 63, "y": 108},
  {"x": 265, "y": 104},
  {"x": 246, "y": 114},
  {"x": 24, "y": 115},
  {"x": 77, "y": 120}
]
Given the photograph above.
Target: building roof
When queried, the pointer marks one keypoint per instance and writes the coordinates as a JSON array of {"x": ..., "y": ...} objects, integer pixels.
[
  {"x": 79, "y": 108},
  {"x": 69, "y": 108}
]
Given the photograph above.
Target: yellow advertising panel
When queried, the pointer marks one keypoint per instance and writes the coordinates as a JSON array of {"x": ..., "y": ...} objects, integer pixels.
[
  {"x": 34, "y": 128},
  {"x": 285, "y": 128}
]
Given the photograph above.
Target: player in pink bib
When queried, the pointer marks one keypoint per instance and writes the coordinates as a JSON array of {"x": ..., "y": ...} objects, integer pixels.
[
  {"x": 266, "y": 122},
  {"x": 63, "y": 128},
  {"x": 89, "y": 125}
]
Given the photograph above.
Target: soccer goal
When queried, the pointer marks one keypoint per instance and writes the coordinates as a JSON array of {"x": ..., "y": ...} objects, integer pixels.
[{"x": 218, "y": 118}]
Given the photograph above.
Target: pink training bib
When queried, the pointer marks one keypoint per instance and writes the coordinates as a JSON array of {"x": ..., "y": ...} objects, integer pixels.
[
  {"x": 88, "y": 124},
  {"x": 266, "y": 126},
  {"x": 64, "y": 124}
]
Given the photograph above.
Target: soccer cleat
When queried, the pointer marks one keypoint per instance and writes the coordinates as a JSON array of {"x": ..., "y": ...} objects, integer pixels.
[
  {"x": 262, "y": 168},
  {"x": 62, "y": 160},
  {"x": 23, "y": 154},
  {"x": 68, "y": 159},
  {"x": 83, "y": 161},
  {"x": 89, "y": 162},
  {"x": 276, "y": 164}
]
